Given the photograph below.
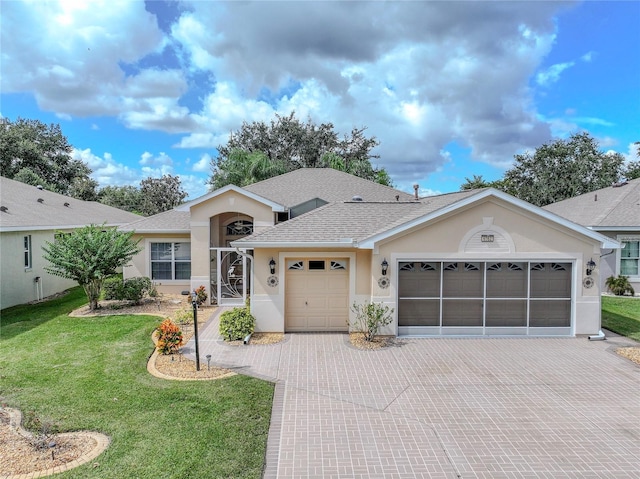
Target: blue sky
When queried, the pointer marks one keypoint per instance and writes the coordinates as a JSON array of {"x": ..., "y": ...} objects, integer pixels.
[{"x": 450, "y": 89}]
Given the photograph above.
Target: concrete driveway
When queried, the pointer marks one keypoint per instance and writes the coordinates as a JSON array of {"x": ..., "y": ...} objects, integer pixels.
[{"x": 445, "y": 408}]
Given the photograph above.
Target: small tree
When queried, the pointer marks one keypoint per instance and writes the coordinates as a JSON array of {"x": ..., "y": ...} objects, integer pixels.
[
  {"x": 370, "y": 317},
  {"x": 89, "y": 255}
]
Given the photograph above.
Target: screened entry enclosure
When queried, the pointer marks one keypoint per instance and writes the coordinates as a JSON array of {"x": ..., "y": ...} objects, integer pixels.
[{"x": 484, "y": 298}]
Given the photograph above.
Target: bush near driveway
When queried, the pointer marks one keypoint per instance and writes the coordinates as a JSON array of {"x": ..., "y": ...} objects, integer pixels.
[{"x": 90, "y": 373}]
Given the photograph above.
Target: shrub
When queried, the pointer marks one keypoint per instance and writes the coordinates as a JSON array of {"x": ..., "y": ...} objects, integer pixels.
[
  {"x": 236, "y": 323},
  {"x": 169, "y": 337},
  {"x": 132, "y": 289},
  {"x": 183, "y": 316},
  {"x": 370, "y": 317},
  {"x": 201, "y": 294},
  {"x": 113, "y": 287},
  {"x": 619, "y": 286}
]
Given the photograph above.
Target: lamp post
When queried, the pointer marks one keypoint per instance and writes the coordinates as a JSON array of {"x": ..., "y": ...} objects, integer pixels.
[{"x": 194, "y": 302}]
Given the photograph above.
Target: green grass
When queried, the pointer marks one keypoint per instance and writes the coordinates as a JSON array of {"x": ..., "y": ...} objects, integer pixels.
[
  {"x": 621, "y": 315},
  {"x": 90, "y": 374}
]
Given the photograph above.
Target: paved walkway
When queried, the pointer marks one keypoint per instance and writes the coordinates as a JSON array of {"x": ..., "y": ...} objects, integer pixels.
[{"x": 445, "y": 408}]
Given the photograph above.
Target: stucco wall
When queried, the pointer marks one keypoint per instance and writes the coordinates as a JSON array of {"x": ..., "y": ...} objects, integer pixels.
[
  {"x": 140, "y": 265},
  {"x": 267, "y": 302},
  {"x": 18, "y": 284},
  {"x": 527, "y": 237}
]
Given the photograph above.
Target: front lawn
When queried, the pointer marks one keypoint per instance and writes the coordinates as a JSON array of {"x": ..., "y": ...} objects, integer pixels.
[
  {"x": 90, "y": 374},
  {"x": 621, "y": 315}
]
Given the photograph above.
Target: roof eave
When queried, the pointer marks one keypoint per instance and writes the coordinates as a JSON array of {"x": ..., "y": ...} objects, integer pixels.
[
  {"x": 347, "y": 243},
  {"x": 163, "y": 231},
  {"x": 11, "y": 229},
  {"x": 615, "y": 228}
]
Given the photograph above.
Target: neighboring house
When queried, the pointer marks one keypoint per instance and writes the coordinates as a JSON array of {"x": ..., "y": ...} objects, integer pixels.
[
  {"x": 308, "y": 244},
  {"x": 29, "y": 217},
  {"x": 614, "y": 212}
]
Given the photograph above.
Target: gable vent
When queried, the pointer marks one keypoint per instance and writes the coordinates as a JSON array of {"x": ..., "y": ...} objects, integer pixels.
[{"x": 40, "y": 200}]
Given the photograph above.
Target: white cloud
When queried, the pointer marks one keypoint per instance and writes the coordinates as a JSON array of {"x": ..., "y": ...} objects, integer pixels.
[
  {"x": 419, "y": 75},
  {"x": 552, "y": 74},
  {"x": 148, "y": 159},
  {"x": 203, "y": 165},
  {"x": 105, "y": 170}
]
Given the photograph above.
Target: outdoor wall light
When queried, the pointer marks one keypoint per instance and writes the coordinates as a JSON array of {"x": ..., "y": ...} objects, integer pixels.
[
  {"x": 591, "y": 265},
  {"x": 385, "y": 266},
  {"x": 272, "y": 266}
]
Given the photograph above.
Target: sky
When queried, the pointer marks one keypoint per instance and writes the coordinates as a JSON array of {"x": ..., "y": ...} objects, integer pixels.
[{"x": 450, "y": 89}]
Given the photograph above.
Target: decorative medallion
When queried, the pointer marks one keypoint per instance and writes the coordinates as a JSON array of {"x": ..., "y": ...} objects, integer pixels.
[
  {"x": 383, "y": 282},
  {"x": 272, "y": 281},
  {"x": 587, "y": 282}
]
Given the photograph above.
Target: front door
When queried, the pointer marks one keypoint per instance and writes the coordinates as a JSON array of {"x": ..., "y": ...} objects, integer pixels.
[{"x": 229, "y": 278}]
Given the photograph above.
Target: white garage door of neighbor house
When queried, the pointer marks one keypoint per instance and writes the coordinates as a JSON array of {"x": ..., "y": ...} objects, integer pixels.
[
  {"x": 317, "y": 294},
  {"x": 484, "y": 298}
]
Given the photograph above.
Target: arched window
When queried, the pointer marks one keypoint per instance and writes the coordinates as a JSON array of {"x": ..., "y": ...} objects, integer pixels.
[{"x": 240, "y": 228}]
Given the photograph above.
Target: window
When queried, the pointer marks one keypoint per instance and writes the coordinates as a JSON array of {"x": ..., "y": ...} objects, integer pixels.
[
  {"x": 27, "y": 252},
  {"x": 295, "y": 265},
  {"x": 171, "y": 261},
  {"x": 316, "y": 265},
  {"x": 240, "y": 228},
  {"x": 630, "y": 257},
  {"x": 338, "y": 264}
]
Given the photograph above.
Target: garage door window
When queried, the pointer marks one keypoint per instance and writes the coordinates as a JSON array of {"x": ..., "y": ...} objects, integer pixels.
[
  {"x": 316, "y": 265},
  {"x": 495, "y": 294}
]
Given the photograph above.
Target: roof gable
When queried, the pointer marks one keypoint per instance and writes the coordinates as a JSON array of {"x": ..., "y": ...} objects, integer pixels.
[
  {"x": 220, "y": 191},
  {"x": 614, "y": 207},
  {"x": 26, "y": 207},
  {"x": 365, "y": 224}
]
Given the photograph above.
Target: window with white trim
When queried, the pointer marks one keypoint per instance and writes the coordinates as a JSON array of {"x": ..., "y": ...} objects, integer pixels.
[
  {"x": 28, "y": 258},
  {"x": 170, "y": 261},
  {"x": 630, "y": 257}
]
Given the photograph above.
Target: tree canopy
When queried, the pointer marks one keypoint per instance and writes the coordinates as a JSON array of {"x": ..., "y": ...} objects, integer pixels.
[
  {"x": 160, "y": 194},
  {"x": 126, "y": 197},
  {"x": 559, "y": 170},
  {"x": 258, "y": 151},
  {"x": 39, "y": 154},
  {"x": 89, "y": 255}
]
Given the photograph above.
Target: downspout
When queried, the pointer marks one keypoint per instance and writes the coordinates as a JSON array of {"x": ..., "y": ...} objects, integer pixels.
[
  {"x": 598, "y": 337},
  {"x": 244, "y": 254}
]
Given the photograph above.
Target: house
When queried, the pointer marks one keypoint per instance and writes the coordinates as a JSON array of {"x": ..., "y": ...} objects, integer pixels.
[
  {"x": 30, "y": 217},
  {"x": 308, "y": 244},
  {"x": 615, "y": 212}
]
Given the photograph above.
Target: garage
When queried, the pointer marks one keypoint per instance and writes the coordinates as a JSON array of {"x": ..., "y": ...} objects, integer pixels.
[
  {"x": 485, "y": 298},
  {"x": 317, "y": 294}
]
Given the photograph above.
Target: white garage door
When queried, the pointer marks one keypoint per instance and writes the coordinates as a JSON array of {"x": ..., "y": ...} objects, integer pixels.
[
  {"x": 484, "y": 298},
  {"x": 317, "y": 294}
]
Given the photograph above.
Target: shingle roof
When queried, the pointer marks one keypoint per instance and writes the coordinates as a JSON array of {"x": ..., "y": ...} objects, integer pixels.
[
  {"x": 614, "y": 206},
  {"x": 25, "y": 207},
  {"x": 352, "y": 220},
  {"x": 331, "y": 185},
  {"x": 174, "y": 221}
]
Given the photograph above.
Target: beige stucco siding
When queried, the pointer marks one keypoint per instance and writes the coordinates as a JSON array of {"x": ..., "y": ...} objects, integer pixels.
[
  {"x": 140, "y": 264},
  {"x": 518, "y": 235},
  {"x": 231, "y": 202},
  {"x": 18, "y": 285}
]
